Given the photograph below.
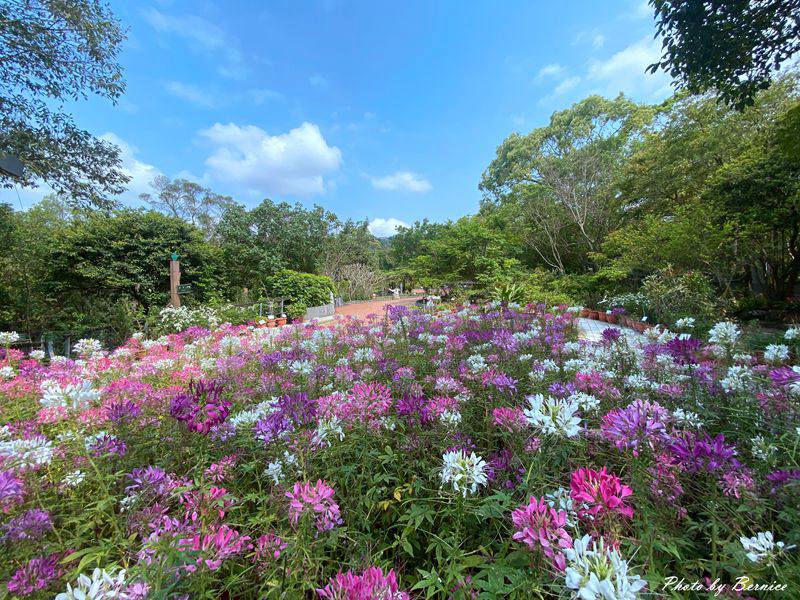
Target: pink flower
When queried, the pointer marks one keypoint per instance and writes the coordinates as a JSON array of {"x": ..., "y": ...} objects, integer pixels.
[
  {"x": 602, "y": 492},
  {"x": 268, "y": 547},
  {"x": 509, "y": 419},
  {"x": 370, "y": 585},
  {"x": 316, "y": 500},
  {"x": 541, "y": 526}
]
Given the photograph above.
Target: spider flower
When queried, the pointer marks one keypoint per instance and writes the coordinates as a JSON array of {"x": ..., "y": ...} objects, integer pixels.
[
  {"x": 601, "y": 493},
  {"x": 372, "y": 584},
  {"x": 539, "y": 525},
  {"x": 316, "y": 500}
]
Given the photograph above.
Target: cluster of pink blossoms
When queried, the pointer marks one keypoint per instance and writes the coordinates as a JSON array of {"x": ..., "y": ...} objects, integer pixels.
[
  {"x": 372, "y": 584},
  {"x": 603, "y": 494},
  {"x": 316, "y": 500},
  {"x": 365, "y": 403},
  {"x": 541, "y": 526}
]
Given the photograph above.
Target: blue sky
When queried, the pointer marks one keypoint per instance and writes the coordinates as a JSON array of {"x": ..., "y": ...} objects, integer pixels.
[{"x": 387, "y": 111}]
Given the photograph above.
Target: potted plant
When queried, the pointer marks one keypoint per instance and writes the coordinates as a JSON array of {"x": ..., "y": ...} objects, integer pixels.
[
  {"x": 270, "y": 320},
  {"x": 296, "y": 312},
  {"x": 593, "y": 314},
  {"x": 602, "y": 315},
  {"x": 585, "y": 312},
  {"x": 261, "y": 324},
  {"x": 281, "y": 321},
  {"x": 611, "y": 317}
]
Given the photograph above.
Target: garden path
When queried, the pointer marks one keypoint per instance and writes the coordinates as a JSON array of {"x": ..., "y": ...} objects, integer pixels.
[{"x": 592, "y": 330}]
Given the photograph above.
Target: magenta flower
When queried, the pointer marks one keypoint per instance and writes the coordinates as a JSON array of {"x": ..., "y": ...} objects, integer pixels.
[
  {"x": 316, "y": 500},
  {"x": 509, "y": 419},
  {"x": 540, "y": 526},
  {"x": 601, "y": 492},
  {"x": 214, "y": 547},
  {"x": 704, "y": 453},
  {"x": 268, "y": 547},
  {"x": 202, "y": 407},
  {"x": 370, "y": 585},
  {"x": 35, "y": 575}
]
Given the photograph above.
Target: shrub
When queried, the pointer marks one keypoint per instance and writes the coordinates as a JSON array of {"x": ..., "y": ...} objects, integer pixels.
[
  {"x": 295, "y": 287},
  {"x": 672, "y": 294}
]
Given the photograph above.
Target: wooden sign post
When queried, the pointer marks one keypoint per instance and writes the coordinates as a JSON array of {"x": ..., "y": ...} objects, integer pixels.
[{"x": 174, "y": 280}]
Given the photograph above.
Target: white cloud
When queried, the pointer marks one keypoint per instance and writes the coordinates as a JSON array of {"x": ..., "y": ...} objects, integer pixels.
[
  {"x": 402, "y": 181},
  {"x": 202, "y": 35},
  {"x": 550, "y": 70},
  {"x": 385, "y": 227},
  {"x": 598, "y": 41},
  {"x": 141, "y": 173},
  {"x": 191, "y": 93},
  {"x": 289, "y": 163},
  {"x": 566, "y": 85},
  {"x": 625, "y": 71}
]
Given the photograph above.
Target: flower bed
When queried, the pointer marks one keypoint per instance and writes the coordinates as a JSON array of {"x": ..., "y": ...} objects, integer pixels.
[{"x": 478, "y": 453}]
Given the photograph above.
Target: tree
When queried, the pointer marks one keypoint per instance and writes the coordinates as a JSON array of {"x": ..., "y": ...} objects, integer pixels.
[
  {"x": 562, "y": 176},
  {"x": 53, "y": 51},
  {"x": 731, "y": 46},
  {"x": 189, "y": 201}
]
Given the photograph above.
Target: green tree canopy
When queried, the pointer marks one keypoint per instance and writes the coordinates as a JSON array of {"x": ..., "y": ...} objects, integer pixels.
[{"x": 53, "y": 51}]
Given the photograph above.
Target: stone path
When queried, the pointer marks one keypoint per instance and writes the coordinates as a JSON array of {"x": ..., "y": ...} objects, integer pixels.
[{"x": 592, "y": 330}]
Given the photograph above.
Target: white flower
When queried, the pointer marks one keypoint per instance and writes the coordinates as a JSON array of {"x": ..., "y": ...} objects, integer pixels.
[
  {"x": 451, "y": 418},
  {"x": 686, "y": 417},
  {"x": 476, "y": 363},
  {"x": 8, "y": 337},
  {"x": 762, "y": 546},
  {"x": 560, "y": 499},
  {"x": 25, "y": 453},
  {"x": 685, "y": 323},
  {"x": 87, "y": 347},
  {"x": 724, "y": 333},
  {"x": 761, "y": 449},
  {"x": 464, "y": 472},
  {"x": 275, "y": 471},
  {"x": 586, "y": 402},
  {"x": 737, "y": 379},
  {"x": 553, "y": 415},
  {"x": 101, "y": 585},
  {"x": 7, "y": 372},
  {"x": 599, "y": 573},
  {"x": 74, "y": 478},
  {"x": 776, "y": 353},
  {"x": 36, "y": 355},
  {"x": 792, "y": 333},
  {"x": 328, "y": 429},
  {"x": 75, "y": 396}
]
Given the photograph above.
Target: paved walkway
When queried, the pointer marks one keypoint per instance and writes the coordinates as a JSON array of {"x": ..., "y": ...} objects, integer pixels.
[
  {"x": 588, "y": 329},
  {"x": 374, "y": 307},
  {"x": 592, "y": 330}
]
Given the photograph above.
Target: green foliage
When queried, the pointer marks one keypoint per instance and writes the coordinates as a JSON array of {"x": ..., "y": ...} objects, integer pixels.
[
  {"x": 54, "y": 52},
  {"x": 672, "y": 295},
  {"x": 734, "y": 47},
  {"x": 299, "y": 288}
]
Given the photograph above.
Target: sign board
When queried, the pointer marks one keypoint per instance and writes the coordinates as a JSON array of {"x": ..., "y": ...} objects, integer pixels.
[
  {"x": 11, "y": 166},
  {"x": 185, "y": 288}
]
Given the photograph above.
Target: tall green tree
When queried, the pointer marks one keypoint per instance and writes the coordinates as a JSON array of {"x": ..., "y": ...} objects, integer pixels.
[
  {"x": 731, "y": 46},
  {"x": 51, "y": 52}
]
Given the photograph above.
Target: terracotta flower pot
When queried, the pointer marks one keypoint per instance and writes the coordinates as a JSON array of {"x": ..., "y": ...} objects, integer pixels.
[
  {"x": 280, "y": 321},
  {"x": 638, "y": 326},
  {"x": 585, "y": 312},
  {"x": 612, "y": 318},
  {"x": 602, "y": 315},
  {"x": 271, "y": 323},
  {"x": 593, "y": 314}
]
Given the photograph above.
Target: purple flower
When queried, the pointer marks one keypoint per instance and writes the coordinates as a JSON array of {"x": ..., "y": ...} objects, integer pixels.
[
  {"x": 36, "y": 575},
  {"x": 31, "y": 525},
  {"x": 201, "y": 407},
  {"x": 703, "y": 454},
  {"x": 123, "y": 410},
  {"x": 12, "y": 490},
  {"x": 782, "y": 477},
  {"x": 107, "y": 444},
  {"x": 611, "y": 334},
  {"x": 784, "y": 376},
  {"x": 684, "y": 351},
  {"x": 641, "y": 421}
]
